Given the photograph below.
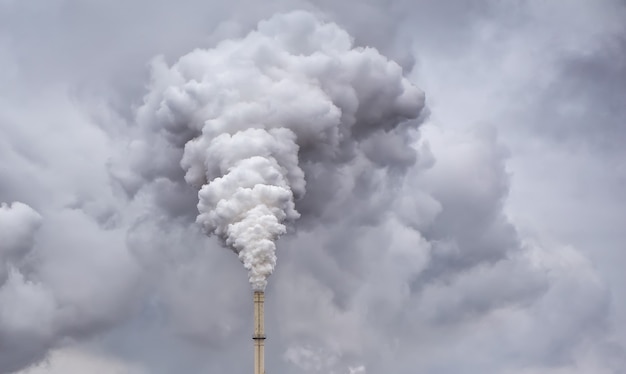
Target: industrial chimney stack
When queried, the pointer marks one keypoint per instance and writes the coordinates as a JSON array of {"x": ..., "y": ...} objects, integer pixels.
[{"x": 259, "y": 333}]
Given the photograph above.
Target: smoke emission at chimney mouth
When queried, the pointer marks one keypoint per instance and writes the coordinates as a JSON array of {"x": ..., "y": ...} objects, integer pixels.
[{"x": 249, "y": 106}]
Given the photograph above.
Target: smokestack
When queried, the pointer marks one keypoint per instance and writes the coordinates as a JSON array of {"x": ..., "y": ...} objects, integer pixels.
[{"x": 259, "y": 333}]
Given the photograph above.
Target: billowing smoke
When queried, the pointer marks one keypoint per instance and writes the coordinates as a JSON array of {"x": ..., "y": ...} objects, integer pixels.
[{"x": 249, "y": 112}]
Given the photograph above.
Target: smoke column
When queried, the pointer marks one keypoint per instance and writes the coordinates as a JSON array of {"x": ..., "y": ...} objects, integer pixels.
[{"x": 247, "y": 113}]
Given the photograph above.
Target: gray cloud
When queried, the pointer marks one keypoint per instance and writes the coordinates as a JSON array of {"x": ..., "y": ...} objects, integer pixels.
[{"x": 492, "y": 244}]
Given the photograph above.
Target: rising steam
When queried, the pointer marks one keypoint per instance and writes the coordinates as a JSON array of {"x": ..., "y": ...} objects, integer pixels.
[{"x": 250, "y": 111}]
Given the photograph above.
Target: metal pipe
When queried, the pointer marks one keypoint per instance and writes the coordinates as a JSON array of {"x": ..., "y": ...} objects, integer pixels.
[{"x": 259, "y": 333}]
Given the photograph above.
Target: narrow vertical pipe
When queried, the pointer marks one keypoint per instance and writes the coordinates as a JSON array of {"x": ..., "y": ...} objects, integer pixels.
[{"x": 259, "y": 333}]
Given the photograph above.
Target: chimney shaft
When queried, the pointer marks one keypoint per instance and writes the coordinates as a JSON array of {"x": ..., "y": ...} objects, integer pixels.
[{"x": 259, "y": 333}]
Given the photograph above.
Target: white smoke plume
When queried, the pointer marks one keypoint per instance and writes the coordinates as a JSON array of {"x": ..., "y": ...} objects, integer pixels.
[{"x": 249, "y": 112}]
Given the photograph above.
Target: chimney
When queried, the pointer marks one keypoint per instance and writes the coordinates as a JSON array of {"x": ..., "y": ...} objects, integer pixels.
[{"x": 259, "y": 333}]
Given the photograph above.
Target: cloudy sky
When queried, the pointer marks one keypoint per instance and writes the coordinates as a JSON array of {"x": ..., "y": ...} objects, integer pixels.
[{"x": 485, "y": 235}]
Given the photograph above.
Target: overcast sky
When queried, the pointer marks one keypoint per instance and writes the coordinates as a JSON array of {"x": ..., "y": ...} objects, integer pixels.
[{"x": 485, "y": 236}]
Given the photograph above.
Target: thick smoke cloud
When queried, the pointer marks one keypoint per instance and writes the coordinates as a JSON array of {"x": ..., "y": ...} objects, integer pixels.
[
  {"x": 251, "y": 111},
  {"x": 489, "y": 239}
]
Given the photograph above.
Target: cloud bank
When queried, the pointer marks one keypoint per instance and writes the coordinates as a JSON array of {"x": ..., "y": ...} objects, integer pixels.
[{"x": 482, "y": 236}]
